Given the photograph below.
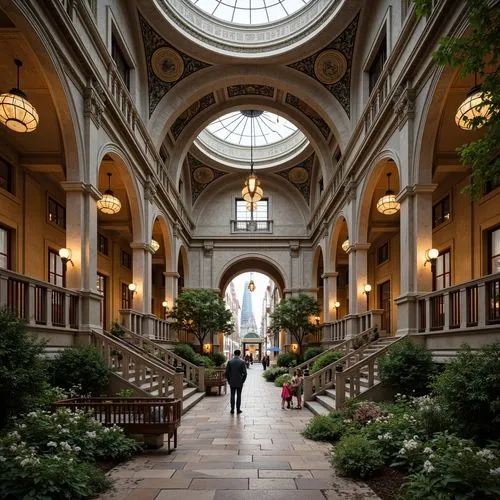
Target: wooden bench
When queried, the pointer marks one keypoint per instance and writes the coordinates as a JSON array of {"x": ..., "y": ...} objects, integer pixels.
[
  {"x": 150, "y": 416},
  {"x": 216, "y": 378}
]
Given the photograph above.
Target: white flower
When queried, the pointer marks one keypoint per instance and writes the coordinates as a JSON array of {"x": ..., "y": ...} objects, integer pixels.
[
  {"x": 51, "y": 444},
  {"x": 486, "y": 454},
  {"x": 12, "y": 447},
  {"x": 32, "y": 414},
  {"x": 410, "y": 444},
  {"x": 77, "y": 449},
  {"x": 65, "y": 446},
  {"x": 64, "y": 431},
  {"x": 25, "y": 462},
  {"x": 14, "y": 434},
  {"x": 428, "y": 467},
  {"x": 427, "y": 450},
  {"x": 493, "y": 472},
  {"x": 2, "y": 459},
  {"x": 91, "y": 434}
]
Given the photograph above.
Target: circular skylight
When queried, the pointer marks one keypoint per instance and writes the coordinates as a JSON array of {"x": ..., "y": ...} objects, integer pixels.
[
  {"x": 250, "y": 12},
  {"x": 236, "y": 128}
]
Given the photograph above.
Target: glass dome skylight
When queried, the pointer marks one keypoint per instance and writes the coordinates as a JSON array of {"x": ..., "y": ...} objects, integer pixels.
[
  {"x": 250, "y": 12},
  {"x": 235, "y": 128}
]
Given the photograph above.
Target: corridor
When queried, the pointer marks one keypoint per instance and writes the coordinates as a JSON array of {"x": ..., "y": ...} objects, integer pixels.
[{"x": 259, "y": 454}]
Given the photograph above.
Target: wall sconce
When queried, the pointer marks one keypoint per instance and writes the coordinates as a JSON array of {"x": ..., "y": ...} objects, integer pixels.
[
  {"x": 368, "y": 289},
  {"x": 431, "y": 256},
  {"x": 207, "y": 348},
  {"x": 132, "y": 288},
  {"x": 294, "y": 347},
  {"x": 317, "y": 319},
  {"x": 65, "y": 254},
  {"x": 337, "y": 305},
  {"x": 165, "y": 306}
]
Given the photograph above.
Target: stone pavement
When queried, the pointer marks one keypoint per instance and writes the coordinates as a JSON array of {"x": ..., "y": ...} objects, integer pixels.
[{"x": 259, "y": 454}]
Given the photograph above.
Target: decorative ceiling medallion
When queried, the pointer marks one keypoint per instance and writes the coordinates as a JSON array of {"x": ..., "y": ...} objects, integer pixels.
[
  {"x": 203, "y": 175},
  {"x": 330, "y": 66},
  {"x": 298, "y": 175},
  {"x": 167, "y": 64}
]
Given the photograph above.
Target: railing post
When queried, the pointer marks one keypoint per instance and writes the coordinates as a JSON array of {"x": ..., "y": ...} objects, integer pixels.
[
  {"x": 201, "y": 377},
  {"x": 446, "y": 310},
  {"x": 4, "y": 291},
  {"x": 30, "y": 313},
  {"x": 428, "y": 314},
  {"x": 339, "y": 390},
  {"x": 48, "y": 305},
  {"x": 308, "y": 387},
  {"x": 463, "y": 308},
  {"x": 66, "y": 310},
  {"x": 482, "y": 304},
  {"x": 178, "y": 383}
]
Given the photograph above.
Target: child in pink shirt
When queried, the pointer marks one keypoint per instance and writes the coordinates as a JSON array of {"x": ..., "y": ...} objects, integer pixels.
[{"x": 286, "y": 395}]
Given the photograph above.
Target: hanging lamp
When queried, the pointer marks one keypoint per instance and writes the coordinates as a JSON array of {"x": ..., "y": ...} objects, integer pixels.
[
  {"x": 154, "y": 245},
  {"x": 474, "y": 106},
  {"x": 109, "y": 203},
  {"x": 251, "y": 285},
  {"x": 387, "y": 204},
  {"x": 345, "y": 245},
  {"x": 251, "y": 192},
  {"x": 16, "y": 112}
]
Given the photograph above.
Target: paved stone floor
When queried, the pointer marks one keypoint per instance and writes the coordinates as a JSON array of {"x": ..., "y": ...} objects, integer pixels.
[{"x": 259, "y": 454}]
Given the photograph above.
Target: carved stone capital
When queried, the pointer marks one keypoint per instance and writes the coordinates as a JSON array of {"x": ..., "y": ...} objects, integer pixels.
[
  {"x": 294, "y": 248},
  {"x": 404, "y": 103},
  {"x": 208, "y": 248},
  {"x": 149, "y": 190}
]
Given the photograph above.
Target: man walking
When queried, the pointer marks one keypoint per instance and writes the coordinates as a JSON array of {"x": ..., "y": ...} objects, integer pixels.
[{"x": 236, "y": 374}]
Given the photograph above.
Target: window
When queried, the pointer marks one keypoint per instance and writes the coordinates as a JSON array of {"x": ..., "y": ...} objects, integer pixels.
[
  {"x": 262, "y": 212},
  {"x": 383, "y": 253},
  {"x": 6, "y": 176},
  {"x": 441, "y": 212},
  {"x": 126, "y": 259},
  {"x": 57, "y": 214},
  {"x": 120, "y": 61},
  {"x": 5, "y": 237},
  {"x": 377, "y": 65},
  {"x": 126, "y": 296},
  {"x": 56, "y": 269},
  {"x": 442, "y": 273},
  {"x": 321, "y": 185},
  {"x": 494, "y": 250},
  {"x": 102, "y": 244}
]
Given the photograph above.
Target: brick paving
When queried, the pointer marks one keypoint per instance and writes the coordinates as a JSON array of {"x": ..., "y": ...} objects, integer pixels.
[{"x": 259, "y": 454}]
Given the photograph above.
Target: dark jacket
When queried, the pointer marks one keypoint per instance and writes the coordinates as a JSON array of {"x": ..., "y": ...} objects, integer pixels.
[{"x": 236, "y": 372}]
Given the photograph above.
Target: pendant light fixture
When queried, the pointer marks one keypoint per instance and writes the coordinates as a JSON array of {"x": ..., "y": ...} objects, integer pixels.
[
  {"x": 387, "y": 204},
  {"x": 251, "y": 192},
  {"x": 109, "y": 203},
  {"x": 474, "y": 106},
  {"x": 154, "y": 245},
  {"x": 16, "y": 112},
  {"x": 251, "y": 285},
  {"x": 345, "y": 245}
]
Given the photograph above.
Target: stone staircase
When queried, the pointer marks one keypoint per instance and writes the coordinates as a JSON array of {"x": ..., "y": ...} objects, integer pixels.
[
  {"x": 348, "y": 378},
  {"x": 144, "y": 370}
]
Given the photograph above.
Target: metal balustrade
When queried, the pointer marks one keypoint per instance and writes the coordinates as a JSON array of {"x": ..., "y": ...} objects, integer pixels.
[
  {"x": 251, "y": 226},
  {"x": 38, "y": 302}
]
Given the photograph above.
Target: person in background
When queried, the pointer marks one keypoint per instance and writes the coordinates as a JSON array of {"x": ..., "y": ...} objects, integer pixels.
[
  {"x": 298, "y": 387},
  {"x": 236, "y": 374},
  {"x": 264, "y": 362},
  {"x": 286, "y": 395}
]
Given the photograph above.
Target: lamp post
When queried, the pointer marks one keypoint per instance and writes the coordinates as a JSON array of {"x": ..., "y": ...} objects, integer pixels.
[
  {"x": 368, "y": 289},
  {"x": 165, "y": 305}
]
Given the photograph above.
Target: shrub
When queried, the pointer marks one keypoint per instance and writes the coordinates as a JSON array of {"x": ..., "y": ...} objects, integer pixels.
[
  {"x": 117, "y": 330},
  {"x": 185, "y": 351},
  {"x": 272, "y": 373},
  {"x": 49, "y": 395},
  {"x": 286, "y": 359},
  {"x": 22, "y": 370},
  {"x": 365, "y": 412},
  {"x": 329, "y": 427},
  {"x": 407, "y": 368},
  {"x": 312, "y": 352},
  {"x": 219, "y": 358},
  {"x": 469, "y": 391},
  {"x": 83, "y": 368},
  {"x": 356, "y": 456},
  {"x": 455, "y": 468},
  {"x": 279, "y": 381},
  {"x": 125, "y": 393},
  {"x": 326, "y": 359},
  {"x": 206, "y": 360}
]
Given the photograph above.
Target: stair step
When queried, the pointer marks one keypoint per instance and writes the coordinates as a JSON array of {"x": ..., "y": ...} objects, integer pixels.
[
  {"x": 188, "y": 392},
  {"x": 330, "y": 393},
  {"x": 192, "y": 400},
  {"x": 316, "y": 408},
  {"x": 326, "y": 401}
]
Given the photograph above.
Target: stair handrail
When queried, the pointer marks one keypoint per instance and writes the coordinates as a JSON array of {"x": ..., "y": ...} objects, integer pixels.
[
  {"x": 353, "y": 373},
  {"x": 119, "y": 357},
  {"x": 342, "y": 347},
  {"x": 192, "y": 372}
]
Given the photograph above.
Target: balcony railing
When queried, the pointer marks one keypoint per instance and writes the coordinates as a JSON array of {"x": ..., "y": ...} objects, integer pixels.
[
  {"x": 38, "y": 302},
  {"x": 337, "y": 330},
  {"x": 155, "y": 328},
  {"x": 474, "y": 304},
  {"x": 251, "y": 226}
]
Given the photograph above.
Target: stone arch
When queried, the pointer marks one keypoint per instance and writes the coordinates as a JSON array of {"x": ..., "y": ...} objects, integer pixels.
[
  {"x": 252, "y": 262},
  {"x": 132, "y": 187},
  {"x": 51, "y": 67},
  {"x": 166, "y": 237},
  {"x": 336, "y": 232},
  {"x": 372, "y": 177},
  {"x": 183, "y": 264},
  {"x": 318, "y": 264}
]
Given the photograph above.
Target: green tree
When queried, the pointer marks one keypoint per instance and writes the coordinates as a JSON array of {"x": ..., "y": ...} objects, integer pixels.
[
  {"x": 477, "y": 52},
  {"x": 22, "y": 369},
  {"x": 294, "y": 316},
  {"x": 201, "y": 312}
]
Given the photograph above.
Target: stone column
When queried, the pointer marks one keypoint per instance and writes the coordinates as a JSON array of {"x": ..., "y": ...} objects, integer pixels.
[
  {"x": 329, "y": 296},
  {"x": 171, "y": 279}
]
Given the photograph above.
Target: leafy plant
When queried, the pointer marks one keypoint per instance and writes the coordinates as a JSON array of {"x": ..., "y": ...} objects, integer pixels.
[
  {"x": 272, "y": 373},
  {"x": 117, "y": 330},
  {"x": 205, "y": 360},
  {"x": 49, "y": 395},
  {"x": 185, "y": 351},
  {"x": 469, "y": 391},
  {"x": 125, "y": 393},
  {"x": 326, "y": 359},
  {"x": 294, "y": 315},
  {"x": 22, "y": 370},
  {"x": 282, "y": 379},
  {"x": 355, "y": 456},
  {"x": 201, "y": 313},
  {"x": 312, "y": 352},
  {"x": 219, "y": 358},
  {"x": 82, "y": 367},
  {"x": 286, "y": 359},
  {"x": 407, "y": 367},
  {"x": 329, "y": 427},
  {"x": 477, "y": 50},
  {"x": 366, "y": 411}
]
